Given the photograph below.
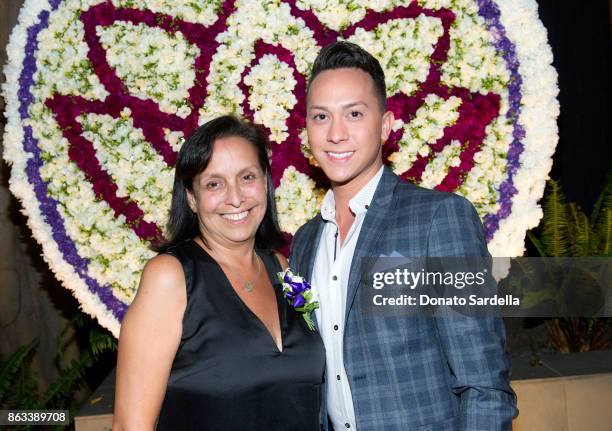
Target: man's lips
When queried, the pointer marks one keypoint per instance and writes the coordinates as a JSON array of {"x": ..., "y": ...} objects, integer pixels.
[{"x": 339, "y": 155}]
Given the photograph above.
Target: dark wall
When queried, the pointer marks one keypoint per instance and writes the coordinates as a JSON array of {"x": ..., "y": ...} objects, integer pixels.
[{"x": 579, "y": 33}]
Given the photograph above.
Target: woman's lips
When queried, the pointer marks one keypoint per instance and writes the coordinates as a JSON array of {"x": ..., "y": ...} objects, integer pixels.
[{"x": 236, "y": 217}]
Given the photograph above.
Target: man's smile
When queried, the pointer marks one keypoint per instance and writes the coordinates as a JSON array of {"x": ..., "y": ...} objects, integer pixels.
[{"x": 345, "y": 155}]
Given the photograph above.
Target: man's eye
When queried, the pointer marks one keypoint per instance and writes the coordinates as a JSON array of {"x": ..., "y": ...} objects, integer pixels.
[
  {"x": 319, "y": 117},
  {"x": 355, "y": 114}
]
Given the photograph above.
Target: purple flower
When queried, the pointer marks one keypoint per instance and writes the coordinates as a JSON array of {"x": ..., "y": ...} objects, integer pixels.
[
  {"x": 298, "y": 284},
  {"x": 298, "y": 301},
  {"x": 299, "y": 295}
]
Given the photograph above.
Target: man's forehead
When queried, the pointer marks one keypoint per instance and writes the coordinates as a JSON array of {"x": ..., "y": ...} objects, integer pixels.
[
  {"x": 352, "y": 84},
  {"x": 342, "y": 75}
]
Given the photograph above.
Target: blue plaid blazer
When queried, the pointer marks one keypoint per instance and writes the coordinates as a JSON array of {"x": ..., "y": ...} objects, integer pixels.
[{"x": 417, "y": 373}]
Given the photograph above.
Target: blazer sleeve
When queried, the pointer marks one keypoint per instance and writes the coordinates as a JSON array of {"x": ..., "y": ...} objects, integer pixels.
[{"x": 473, "y": 346}]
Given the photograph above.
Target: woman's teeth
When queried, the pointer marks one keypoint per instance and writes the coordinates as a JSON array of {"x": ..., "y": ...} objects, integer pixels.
[
  {"x": 237, "y": 216},
  {"x": 340, "y": 155}
]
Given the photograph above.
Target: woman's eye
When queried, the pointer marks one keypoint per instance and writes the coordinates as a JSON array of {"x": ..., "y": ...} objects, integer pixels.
[
  {"x": 249, "y": 177},
  {"x": 213, "y": 185}
]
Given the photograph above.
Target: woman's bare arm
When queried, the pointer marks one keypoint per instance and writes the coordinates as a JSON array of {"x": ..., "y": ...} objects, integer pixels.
[{"x": 150, "y": 335}]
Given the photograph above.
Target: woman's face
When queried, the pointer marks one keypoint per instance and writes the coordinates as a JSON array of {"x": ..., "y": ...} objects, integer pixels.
[{"x": 229, "y": 196}]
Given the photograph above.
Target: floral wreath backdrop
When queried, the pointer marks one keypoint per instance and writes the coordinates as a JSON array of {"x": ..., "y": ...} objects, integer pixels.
[{"x": 101, "y": 93}]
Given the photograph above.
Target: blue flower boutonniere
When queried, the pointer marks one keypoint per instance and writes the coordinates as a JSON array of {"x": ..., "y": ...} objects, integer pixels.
[{"x": 299, "y": 294}]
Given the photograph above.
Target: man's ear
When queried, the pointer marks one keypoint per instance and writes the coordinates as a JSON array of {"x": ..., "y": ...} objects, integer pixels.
[
  {"x": 191, "y": 201},
  {"x": 387, "y": 125}
]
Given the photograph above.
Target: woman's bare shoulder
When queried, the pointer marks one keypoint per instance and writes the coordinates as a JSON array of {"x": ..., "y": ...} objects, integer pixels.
[
  {"x": 282, "y": 260},
  {"x": 162, "y": 271},
  {"x": 162, "y": 285}
]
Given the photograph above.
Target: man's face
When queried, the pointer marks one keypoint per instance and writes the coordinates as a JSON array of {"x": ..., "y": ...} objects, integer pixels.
[{"x": 346, "y": 126}]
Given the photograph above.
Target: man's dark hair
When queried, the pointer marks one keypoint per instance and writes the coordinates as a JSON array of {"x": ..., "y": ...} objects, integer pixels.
[
  {"x": 340, "y": 55},
  {"x": 194, "y": 156}
]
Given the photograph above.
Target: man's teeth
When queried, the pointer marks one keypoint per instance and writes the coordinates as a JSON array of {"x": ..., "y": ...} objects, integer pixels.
[
  {"x": 236, "y": 217},
  {"x": 340, "y": 155}
]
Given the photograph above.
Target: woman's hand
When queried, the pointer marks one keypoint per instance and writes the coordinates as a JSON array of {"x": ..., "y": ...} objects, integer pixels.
[{"x": 150, "y": 336}]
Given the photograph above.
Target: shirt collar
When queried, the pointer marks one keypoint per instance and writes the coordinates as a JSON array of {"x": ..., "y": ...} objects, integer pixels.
[{"x": 358, "y": 204}]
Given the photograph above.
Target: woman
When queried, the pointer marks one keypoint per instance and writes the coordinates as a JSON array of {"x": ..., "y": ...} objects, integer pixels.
[{"x": 209, "y": 342}]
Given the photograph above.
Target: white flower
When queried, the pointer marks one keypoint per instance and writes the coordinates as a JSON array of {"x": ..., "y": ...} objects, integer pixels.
[
  {"x": 425, "y": 129},
  {"x": 152, "y": 63},
  {"x": 437, "y": 169},
  {"x": 297, "y": 200},
  {"x": 157, "y": 65},
  {"x": 271, "y": 96},
  {"x": 404, "y": 47}
]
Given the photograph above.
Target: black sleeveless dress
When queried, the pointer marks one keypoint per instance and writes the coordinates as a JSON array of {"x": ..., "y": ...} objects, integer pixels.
[{"x": 228, "y": 373}]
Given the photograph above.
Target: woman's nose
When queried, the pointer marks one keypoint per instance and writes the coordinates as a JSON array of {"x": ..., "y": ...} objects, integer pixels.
[{"x": 235, "y": 195}]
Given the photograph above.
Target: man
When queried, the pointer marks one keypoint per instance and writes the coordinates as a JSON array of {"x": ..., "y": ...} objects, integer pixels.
[{"x": 389, "y": 372}]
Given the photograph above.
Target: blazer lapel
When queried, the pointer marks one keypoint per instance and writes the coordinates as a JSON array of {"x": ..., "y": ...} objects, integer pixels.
[
  {"x": 372, "y": 230},
  {"x": 308, "y": 250},
  {"x": 309, "y": 246}
]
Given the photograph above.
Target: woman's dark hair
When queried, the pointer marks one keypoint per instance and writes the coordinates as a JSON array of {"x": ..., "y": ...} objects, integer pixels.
[
  {"x": 194, "y": 156},
  {"x": 340, "y": 55}
]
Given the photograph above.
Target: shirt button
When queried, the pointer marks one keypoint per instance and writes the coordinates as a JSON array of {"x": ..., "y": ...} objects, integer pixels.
[
  {"x": 366, "y": 207},
  {"x": 335, "y": 277},
  {"x": 348, "y": 425},
  {"x": 335, "y": 327},
  {"x": 337, "y": 376}
]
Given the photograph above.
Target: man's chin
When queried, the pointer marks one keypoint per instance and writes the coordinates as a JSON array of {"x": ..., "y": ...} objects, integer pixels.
[{"x": 339, "y": 181}]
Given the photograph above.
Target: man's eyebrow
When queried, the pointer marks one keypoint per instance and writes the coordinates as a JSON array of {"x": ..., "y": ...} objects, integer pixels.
[
  {"x": 348, "y": 105},
  {"x": 353, "y": 104}
]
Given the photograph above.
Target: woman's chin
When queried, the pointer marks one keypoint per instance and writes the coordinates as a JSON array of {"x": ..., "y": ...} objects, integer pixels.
[{"x": 240, "y": 232}]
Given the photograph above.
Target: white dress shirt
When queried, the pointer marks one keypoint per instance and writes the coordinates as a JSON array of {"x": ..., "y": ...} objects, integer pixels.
[{"x": 330, "y": 280}]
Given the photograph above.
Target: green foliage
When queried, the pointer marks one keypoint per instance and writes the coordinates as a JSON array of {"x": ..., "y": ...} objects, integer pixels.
[
  {"x": 19, "y": 386},
  {"x": 535, "y": 297},
  {"x": 61, "y": 390},
  {"x": 101, "y": 342},
  {"x": 555, "y": 230},
  {"x": 602, "y": 218},
  {"x": 580, "y": 235},
  {"x": 566, "y": 231},
  {"x": 10, "y": 367}
]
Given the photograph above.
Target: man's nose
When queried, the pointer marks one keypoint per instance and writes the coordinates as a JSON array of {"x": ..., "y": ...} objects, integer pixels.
[{"x": 337, "y": 131}]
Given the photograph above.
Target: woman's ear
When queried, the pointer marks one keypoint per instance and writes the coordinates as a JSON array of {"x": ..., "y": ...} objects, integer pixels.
[{"x": 191, "y": 201}]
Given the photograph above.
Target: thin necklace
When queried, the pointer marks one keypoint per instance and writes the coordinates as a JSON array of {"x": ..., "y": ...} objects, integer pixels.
[{"x": 246, "y": 284}]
